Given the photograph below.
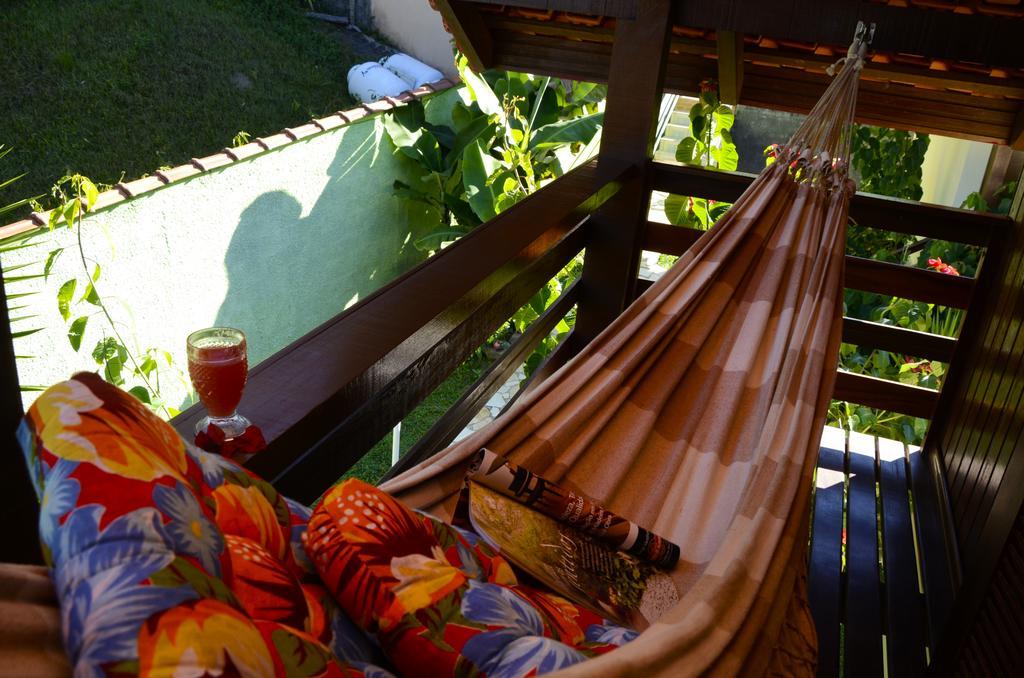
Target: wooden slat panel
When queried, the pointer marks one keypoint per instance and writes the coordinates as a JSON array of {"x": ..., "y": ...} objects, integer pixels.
[
  {"x": 904, "y": 604},
  {"x": 898, "y": 340},
  {"x": 885, "y": 395},
  {"x": 901, "y": 216},
  {"x": 863, "y": 651},
  {"x": 992, "y": 368},
  {"x": 668, "y": 239},
  {"x": 861, "y": 274},
  {"x": 458, "y": 416},
  {"x": 424, "y": 361},
  {"x": 939, "y": 558},
  {"x": 823, "y": 576},
  {"x": 882, "y": 277}
]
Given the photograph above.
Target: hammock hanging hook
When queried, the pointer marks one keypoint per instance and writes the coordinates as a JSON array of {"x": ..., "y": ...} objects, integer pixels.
[{"x": 862, "y": 37}]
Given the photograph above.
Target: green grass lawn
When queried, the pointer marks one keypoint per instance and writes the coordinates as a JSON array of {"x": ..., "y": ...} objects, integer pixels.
[
  {"x": 378, "y": 460},
  {"x": 116, "y": 89}
]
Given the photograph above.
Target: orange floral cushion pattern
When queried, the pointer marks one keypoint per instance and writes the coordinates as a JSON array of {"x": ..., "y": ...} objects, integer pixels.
[
  {"x": 169, "y": 560},
  {"x": 439, "y": 601}
]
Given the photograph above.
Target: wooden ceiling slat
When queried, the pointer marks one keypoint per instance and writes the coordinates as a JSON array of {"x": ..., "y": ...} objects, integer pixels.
[
  {"x": 891, "y": 95},
  {"x": 907, "y": 30},
  {"x": 625, "y": 9}
]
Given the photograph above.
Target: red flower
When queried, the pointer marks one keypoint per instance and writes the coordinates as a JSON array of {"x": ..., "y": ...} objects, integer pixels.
[
  {"x": 708, "y": 85},
  {"x": 942, "y": 267}
]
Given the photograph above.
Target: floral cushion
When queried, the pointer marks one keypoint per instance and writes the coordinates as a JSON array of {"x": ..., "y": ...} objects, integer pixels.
[
  {"x": 438, "y": 600},
  {"x": 167, "y": 559}
]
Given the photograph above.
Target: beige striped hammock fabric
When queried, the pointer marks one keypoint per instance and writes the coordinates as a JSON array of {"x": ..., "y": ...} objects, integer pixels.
[{"x": 699, "y": 411}]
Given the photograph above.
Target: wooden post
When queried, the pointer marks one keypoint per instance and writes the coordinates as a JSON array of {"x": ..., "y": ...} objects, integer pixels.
[
  {"x": 975, "y": 438},
  {"x": 468, "y": 30},
  {"x": 615, "y": 233},
  {"x": 730, "y": 66},
  {"x": 20, "y": 542}
]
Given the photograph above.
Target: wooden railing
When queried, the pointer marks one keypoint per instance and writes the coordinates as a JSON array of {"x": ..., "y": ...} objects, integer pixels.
[
  {"x": 929, "y": 221},
  {"x": 326, "y": 399}
]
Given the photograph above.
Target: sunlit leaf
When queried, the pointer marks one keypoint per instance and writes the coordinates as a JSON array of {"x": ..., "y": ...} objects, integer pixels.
[
  {"x": 64, "y": 296},
  {"x": 76, "y": 331}
]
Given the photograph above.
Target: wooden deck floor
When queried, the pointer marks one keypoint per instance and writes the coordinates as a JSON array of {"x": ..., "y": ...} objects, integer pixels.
[{"x": 865, "y": 583}]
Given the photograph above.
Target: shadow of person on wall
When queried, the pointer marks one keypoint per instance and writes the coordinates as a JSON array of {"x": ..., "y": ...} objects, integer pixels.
[
  {"x": 289, "y": 273},
  {"x": 264, "y": 273}
]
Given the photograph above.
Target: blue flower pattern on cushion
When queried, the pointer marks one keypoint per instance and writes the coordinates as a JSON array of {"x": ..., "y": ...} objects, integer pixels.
[
  {"x": 100, "y": 573},
  {"x": 518, "y": 648},
  {"x": 191, "y": 532},
  {"x": 59, "y": 496},
  {"x": 610, "y": 633}
]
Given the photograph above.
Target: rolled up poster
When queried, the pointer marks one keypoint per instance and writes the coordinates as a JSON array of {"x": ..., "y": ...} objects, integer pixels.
[{"x": 571, "y": 508}]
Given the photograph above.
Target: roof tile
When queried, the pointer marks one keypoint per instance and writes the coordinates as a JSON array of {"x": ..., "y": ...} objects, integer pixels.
[
  {"x": 213, "y": 161},
  {"x": 274, "y": 141},
  {"x": 178, "y": 173},
  {"x": 303, "y": 131},
  {"x": 108, "y": 198},
  {"x": 244, "y": 151},
  {"x": 227, "y": 156},
  {"x": 17, "y": 228},
  {"x": 134, "y": 188}
]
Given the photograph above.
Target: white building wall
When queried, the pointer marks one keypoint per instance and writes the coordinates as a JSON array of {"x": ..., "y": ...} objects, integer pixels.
[
  {"x": 953, "y": 168},
  {"x": 415, "y": 28}
]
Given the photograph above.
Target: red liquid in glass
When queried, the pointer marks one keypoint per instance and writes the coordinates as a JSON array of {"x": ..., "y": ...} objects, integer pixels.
[{"x": 219, "y": 372}]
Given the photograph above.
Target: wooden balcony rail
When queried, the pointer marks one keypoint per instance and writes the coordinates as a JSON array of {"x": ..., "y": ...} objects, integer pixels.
[
  {"x": 930, "y": 221},
  {"x": 901, "y": 216},
  {"x": 323, "y": 401}
]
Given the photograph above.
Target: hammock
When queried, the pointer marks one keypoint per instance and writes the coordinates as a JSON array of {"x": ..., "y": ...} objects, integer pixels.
[{"x": 698, "y": 413}]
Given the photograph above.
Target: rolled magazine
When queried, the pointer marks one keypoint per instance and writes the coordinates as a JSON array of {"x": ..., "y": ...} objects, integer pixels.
[{"x": 571, "y": 508}]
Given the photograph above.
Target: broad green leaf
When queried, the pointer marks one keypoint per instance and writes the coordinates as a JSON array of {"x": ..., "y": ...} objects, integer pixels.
[
  {"x": 479, "y": 90},
  {"x": 76, "y": 331},
  {"x": 483, "y": 129},
  {"x": 579, "y": 130},
  {"x": 676, "y": 209},
  {"x": 64, "y": 296},
  {"x": 112, "y": 371},
  {"x": 724, "y": 118},
  {"x": 698, "y": 126},
  {"x": 433, "y": 241},
  {"x": 407, "y": 192},
  {"x": 51, "y": 258},
  {"x": 685, "y": 151},
  {"x": 728, "y": 157},
  {"x": 478, "y": 167},
  {"x": 90, "y": 192}
]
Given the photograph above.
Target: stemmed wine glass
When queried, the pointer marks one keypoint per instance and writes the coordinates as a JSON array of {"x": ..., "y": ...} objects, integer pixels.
[{"x": 218, "y": 365}]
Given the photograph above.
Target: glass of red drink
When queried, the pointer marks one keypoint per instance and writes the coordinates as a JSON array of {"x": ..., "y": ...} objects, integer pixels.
[{"x": 218, "y": 365}]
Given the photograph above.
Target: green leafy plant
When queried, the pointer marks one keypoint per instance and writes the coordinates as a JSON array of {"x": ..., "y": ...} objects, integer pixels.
[
  {"x": 79, "y": 301},
  {"x": 709, "y": 145},
  {"x": 516, "y": 133},
  {"x": 710, "y": 142}
]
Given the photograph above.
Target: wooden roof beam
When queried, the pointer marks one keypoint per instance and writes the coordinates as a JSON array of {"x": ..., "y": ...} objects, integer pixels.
[
  {"x": 730, "y": 66},
  {"x": 620, "y": 9},
  {"x": 472, "y": 36},
  {"x": 1016, "y": 141},
  {"x": 938, "y": 35}
]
